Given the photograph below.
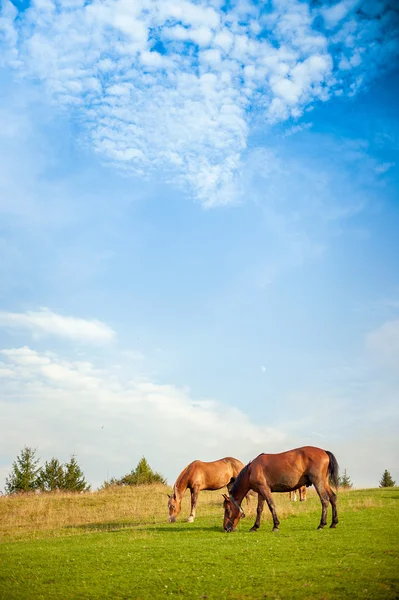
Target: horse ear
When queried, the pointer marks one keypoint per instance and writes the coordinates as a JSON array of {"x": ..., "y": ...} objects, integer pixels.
[
  {"x": 168, "y": 496},
  {"x": 226, "y": 497}
]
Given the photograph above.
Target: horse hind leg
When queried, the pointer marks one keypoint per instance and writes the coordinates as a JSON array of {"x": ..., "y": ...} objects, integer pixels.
[
  {"x": 333, "y": 501},
  {"x": 324, "y": 499}
]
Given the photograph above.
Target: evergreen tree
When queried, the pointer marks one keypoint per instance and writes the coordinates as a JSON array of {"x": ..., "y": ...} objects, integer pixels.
[
  {"x": 142, "y": 474},
  {"x": 51, "y": 476},
  {"x": 74, "y": 480},
  {"x": 24, "y": 474},
  {"x": 345, "y": 480},
  {"x": 386, "y": 480}
]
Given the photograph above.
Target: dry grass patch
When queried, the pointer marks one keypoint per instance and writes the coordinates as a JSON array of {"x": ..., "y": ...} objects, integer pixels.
[
  {"x": 53, "y": 514},
  {"x": 41, "y": 515}
]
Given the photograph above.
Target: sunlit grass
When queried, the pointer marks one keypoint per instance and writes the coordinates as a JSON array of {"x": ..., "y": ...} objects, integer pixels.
[
  {"x": 54, "y": 514},
  {"x": 118, "y": 544}
]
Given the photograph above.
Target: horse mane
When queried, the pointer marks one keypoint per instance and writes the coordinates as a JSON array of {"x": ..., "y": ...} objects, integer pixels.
[
  {"x": 239, "y": 478},
  {"x": 180, "y": 478}
]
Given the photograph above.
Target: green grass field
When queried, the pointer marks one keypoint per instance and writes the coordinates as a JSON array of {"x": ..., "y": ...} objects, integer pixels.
[{"x": 117, "y": 544}]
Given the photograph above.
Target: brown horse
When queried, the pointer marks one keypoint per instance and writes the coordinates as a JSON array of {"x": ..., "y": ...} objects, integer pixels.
[
  {"x": 199, "y": 476},
  {"x": 302, "y": 494},
  {"x": 284, "y": 472}
]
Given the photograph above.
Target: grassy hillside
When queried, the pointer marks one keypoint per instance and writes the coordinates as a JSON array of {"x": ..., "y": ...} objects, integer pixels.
[{"x": 118, "y": 544}]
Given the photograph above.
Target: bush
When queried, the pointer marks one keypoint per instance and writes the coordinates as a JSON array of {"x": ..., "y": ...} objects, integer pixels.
[{"x": 142, "y": 474}]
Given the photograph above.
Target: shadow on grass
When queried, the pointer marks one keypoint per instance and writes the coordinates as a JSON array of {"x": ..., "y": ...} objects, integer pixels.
[
  {"x": 180, "y": 528},
  {"x": 110, "y": 527},
  {"x": 113, "y": 527}
]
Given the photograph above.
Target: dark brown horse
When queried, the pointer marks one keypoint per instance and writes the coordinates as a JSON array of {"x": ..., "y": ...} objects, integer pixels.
[
  {"x": 199, "y": 476},
  {"x": 302, "y": 494},
  {"x": 284, "y": 472}
]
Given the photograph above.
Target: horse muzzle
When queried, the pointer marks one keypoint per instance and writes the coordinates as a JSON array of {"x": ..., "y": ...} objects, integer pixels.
[{"x": 172, "y": 519}]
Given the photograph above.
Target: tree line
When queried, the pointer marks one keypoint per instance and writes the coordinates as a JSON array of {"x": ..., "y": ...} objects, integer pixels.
[{"x": 28, "y": 476}]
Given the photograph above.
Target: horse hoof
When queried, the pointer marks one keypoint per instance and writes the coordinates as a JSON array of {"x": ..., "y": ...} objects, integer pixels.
[
  {"x": 275, "y": 529},
  {"x": 190, "y": 520},
  {"x": 333, "y": 525},
  {"x": 253, "y": 529},
  {"x": 320, "y": 527}
]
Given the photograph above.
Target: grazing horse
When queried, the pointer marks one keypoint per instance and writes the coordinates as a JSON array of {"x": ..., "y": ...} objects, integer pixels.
[
  {"x": 199, "y": 476},
  {"x": 284, "y": 472},
  {"x": 302, "y": 494}
]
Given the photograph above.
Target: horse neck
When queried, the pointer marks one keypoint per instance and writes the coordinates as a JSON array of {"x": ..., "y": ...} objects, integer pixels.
[
  {"x": 240, "y": 487},
  {"x": 181, "y": 485}
]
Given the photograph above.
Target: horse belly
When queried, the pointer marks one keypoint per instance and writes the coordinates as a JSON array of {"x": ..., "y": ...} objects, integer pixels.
[{"x": 287, "y": 484}]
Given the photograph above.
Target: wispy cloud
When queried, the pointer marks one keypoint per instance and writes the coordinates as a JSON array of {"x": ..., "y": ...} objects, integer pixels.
[
  {"x": 173, "y": 86},
  {"x": 74, "y": 405},
  {"x": 47, "y": 323}
]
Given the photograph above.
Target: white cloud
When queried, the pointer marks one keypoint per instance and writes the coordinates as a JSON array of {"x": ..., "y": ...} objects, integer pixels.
[
  {"x": 71, "y": 406},
  {"x": 133, "y": 74},
  {"x": 47, "y": 323}
]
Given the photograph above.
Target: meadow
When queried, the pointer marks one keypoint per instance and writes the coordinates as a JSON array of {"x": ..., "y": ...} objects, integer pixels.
[{"x": 117, "y": 544}]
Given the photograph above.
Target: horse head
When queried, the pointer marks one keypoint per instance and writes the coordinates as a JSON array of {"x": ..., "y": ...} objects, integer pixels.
[
  {"x": 232, "y": 513},
  {"x": 174, "y": 506}
]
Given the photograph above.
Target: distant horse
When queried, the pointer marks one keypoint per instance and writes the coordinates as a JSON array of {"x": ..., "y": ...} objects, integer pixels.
[
  {"x": 284, "y": 472},
  {"x": 199, "y": 476},
  {"x": 302, "y": 494}
]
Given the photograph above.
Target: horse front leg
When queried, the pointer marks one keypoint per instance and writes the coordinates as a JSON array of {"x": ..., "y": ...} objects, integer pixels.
[
  {"x": 259, "y": 510},
  {"x": 267, "y": 495},
  {"x": 194, "y": 498}
]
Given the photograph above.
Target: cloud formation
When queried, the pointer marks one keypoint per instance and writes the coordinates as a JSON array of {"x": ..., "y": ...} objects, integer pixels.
[
  {"x": 72, "y": 404},
  {"x": 174, "y": 86},
  {"x": 47, "y": 323}
]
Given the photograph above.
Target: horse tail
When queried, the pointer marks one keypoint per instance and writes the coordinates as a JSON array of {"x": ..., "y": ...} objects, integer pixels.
[{"x": 333, "y": 469}]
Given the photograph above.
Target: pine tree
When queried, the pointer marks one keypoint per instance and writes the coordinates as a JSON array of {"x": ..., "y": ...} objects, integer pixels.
[
  {"x": 51, "y": 476},
  {"x": 74, "y": 480},
  {"x": 24, "y": 474},
  {"x": 386, "y": 480},
  {"x": 345, "y": 480},
  {"x": 142, "y": 474}
]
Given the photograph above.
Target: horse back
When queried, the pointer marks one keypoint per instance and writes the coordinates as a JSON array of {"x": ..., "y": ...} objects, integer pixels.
[
  {"x": 213, "y": 475},
  {"x": 290, "y": 470}
]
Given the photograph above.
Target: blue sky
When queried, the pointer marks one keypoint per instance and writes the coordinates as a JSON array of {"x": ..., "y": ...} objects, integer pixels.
[{"x": 199, "y": 232}]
